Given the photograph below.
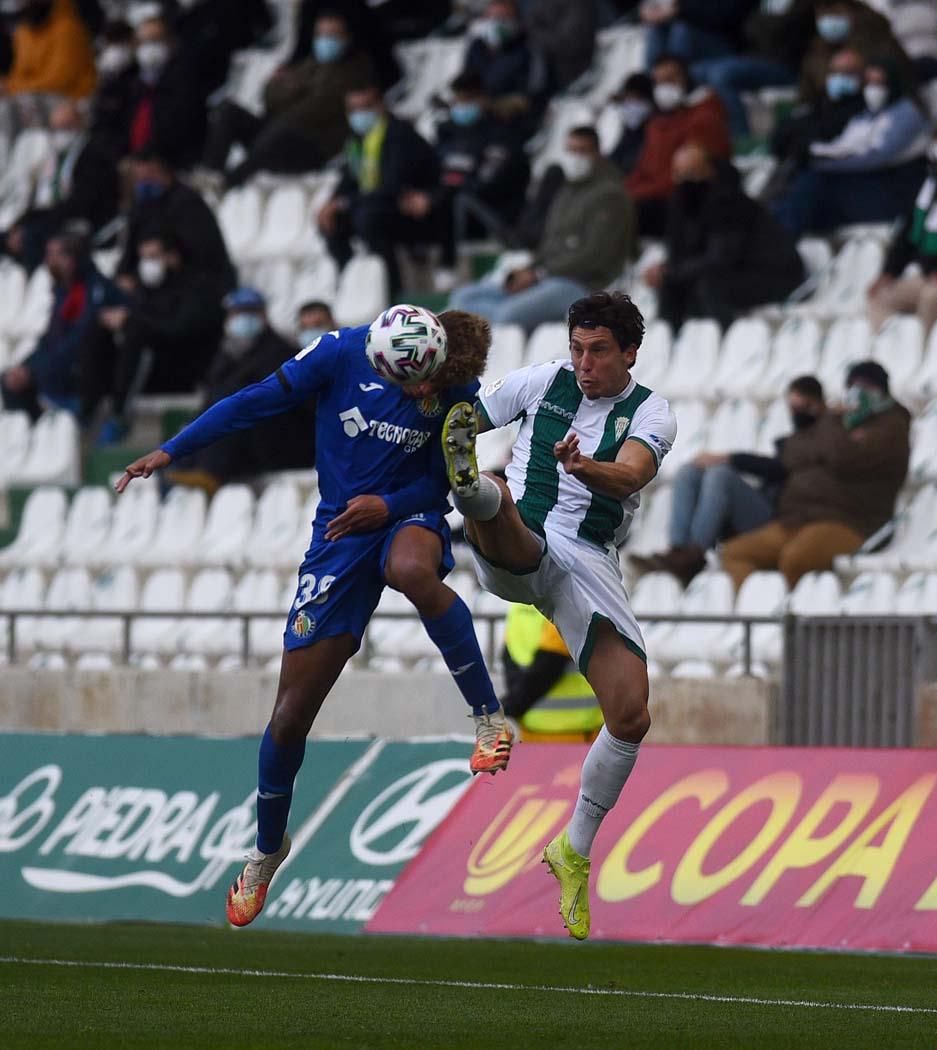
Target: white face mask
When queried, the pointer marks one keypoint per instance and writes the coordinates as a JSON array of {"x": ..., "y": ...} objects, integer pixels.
[
  {"x": 875, "y": 95},
  {"x": 62, "y": 138},
  {"x": 151, "y": 58},
  {"x": 576, "y": 166},
  {"x": 152, "y": 272},
  {"x": 668, "y": 96},
  {"x": 634, "y": 112},
  {"x": 114, "y": 59}
]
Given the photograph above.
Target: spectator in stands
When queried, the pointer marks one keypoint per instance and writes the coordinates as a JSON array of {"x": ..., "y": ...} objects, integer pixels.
[
  {"x": 303, "y": 124},
  {"x": 167, "y": 113},
  {"x": 851, "y": 24},
  {"x": 635, "y": 102},
  {"x": 50, "y": 373},
  {"x": 589, "y": 234},
  {"x": 843, "y": 475},
  {"x": 161, "y": 201},
  {"x": 819, "y": 121},
  {"x": 693, "y": 29},
  {"x": 250, "y": 351},
  {"x": 385, "y": 161},
  {"x": 78, "y": 182},
  {"x": 513, "y": 74},
  {"x": 52, "y": 52},
  {"x": 161, "y": 341},
  {"x": 915, "y": 242},
  {"x": 113, "y": 106},
  {"x": 713, "y": 498},
  {"x": 871, "y": 170},
  {"x": 684, "y": 114},
  {"x": 483, "y": 174},
  {"x": 774, "y": 41},
  {"x": 914, "y": 23},
  {"x": 726, "y": 253},
  {"x": 564, "y": 34},
  {"x": 313, "y": 318},
  {"x": 366, "y": 24}
]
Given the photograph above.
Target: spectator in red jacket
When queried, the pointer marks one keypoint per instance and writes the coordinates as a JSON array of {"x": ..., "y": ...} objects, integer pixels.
[{"x": 684, "y": 115}]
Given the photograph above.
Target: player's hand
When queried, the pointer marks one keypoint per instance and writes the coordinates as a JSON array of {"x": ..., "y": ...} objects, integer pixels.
[
  {"x": 567, "y": 452},
  {"x": 143, "y": 467},
  {"x": 361, "y": 514}
]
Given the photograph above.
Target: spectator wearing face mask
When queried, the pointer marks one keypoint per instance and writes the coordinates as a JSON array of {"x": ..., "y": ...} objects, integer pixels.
[
  {"x": 725, "y": 252},
  {"x": 313, "y": 318},
  {"x": 513, "y": 75},
  {"x": 693, "y": 29},
  {"x": 250, "y": 351},
  {"x": 483, "y": 175},
  {"x": 635, "y": 105},
  {"x": 52, "y": 52},
  {"x": 720, "y": 495},
  {"x": 77, "y": 183},
  {"x": 112, "y": 107},
  {"x": 851, "y": 24},
  {"x": 161, "y": 201},
  {"x": 843, "y": 475},
  {"x": 386, "y": 162},
  {"x": 871, "y": 171},
  {"x": 161, "y": 341},
  {"x": 303, "y": 125},
  {"x": 50, "y": 374},
  {"x": 588, "y": 235},
  {"x": 167, "y": 113},
  {"x": 914, "y": 242},
  {"x": 683, "y": 115}
]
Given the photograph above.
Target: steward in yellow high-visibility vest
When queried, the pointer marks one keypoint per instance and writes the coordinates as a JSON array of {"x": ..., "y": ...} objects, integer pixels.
[{"x": 545, "y": 691}]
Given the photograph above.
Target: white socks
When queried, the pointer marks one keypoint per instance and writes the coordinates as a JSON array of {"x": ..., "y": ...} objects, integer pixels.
[
  {"x": 482, "y": 505},
  {"x": 604, "y": 772}
]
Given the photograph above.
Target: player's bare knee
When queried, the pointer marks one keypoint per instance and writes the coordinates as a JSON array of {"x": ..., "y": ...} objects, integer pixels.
[
  {"x": 413, "y": 578},
  {"x": 631, "y": 724},
  {"x": 289, "y": 723}
]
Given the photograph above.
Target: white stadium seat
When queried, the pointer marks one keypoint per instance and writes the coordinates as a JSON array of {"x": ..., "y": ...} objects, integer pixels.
[
  {"x": 693, "y": 669},
  {"x": 227, "y": 527},
  {"x": 914, "y": 542},
  {"x": 178, "y": 529},
  {"x": 271, "y": 543},
  {"x": 870, "y": 594},
  {"x": 775, "y": 424},
  {"x": 816, "y": 594},
  {"x": 12, "y": 293},
  {"x": 899, "y": 348},
  {"x": 917, "y": 596},
  {"x": 742, "y": 359},
  {"x": 69, "y": 589},
  {"x": 656, "y": 594},
  {"x": 848, "y": 341},
  {"x": 650, "y": 528},
  {"x": 54, "y": 451},
  {"x": 708, "y": 593},
  {"x": 692, "y": 436},
  {"x": 210, "y": 592},
  {"x": 363, "y": 290},
  {"x": 14, "y": 441},
  {"x": 284, "y": 224},
  {"x": 761, "y": 594},
  {"x": 133, "y": 525},
  {"x": 87, "y": 525},
  {"x": 733, "y": 427},
  {"x": 164, "y": 591},
  {"x": 693, "y": 361},
  {"x": 39, "y": 538},
  {"x": 239, "y": 218},
  {"x": 33, "y": 317},
  {"x": 653, "y": 360},
  {"x": 115, "y": 590},
  {"x": 548, "y": 342},
  {"x": 926, "y": 379},
  {"x": 507, "y": 351},
  {"x": 795, "y": 351},
  {"x": 923, "y": 465}
]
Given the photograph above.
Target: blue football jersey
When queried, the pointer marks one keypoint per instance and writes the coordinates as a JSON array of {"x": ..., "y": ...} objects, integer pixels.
[{"x": 371, "y": 439}]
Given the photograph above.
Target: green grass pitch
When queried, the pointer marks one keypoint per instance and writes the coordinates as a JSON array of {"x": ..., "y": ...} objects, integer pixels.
[{"x": 175, "y": 988}]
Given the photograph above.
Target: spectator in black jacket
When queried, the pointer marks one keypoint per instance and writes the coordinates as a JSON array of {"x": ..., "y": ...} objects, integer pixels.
[
  {"x": 167, "y": 110},
  {"x": 564, "y": 34},
  {"x": 385, "y": 160},
  {"x": 713, "y": 501},
  {"x": 161, "y": 201},
  {"x": 161, "y": 341},
  {"x": 513, "y": 74},
  {"x": 113, "y": 103},
  {"x": 79, "y": 182},
  {"x": 250, "y": 351},
  {"x": 635, "y": 102},
  {"x": 693, "y": 29},
  {"x": 483, "y": 173},
  {"x": 915, "y": 241},
  {"x": 726, "y": 254},
  {"x": 51, "y": 372}
]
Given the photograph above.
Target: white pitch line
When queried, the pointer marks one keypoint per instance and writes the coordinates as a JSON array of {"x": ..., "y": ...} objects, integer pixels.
[{"x": 625, "y": 993}]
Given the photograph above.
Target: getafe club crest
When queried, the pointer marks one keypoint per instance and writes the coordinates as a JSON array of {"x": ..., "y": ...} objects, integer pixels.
[
  {"x": 429, "y": 407},
  {"x": 303, "y": 625},
  {"x": 621, "y": 425}
]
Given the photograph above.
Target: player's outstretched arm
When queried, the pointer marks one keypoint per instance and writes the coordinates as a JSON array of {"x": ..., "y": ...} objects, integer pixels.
[
  {"x": 632, "y": 469},
  {"x": 144, "y": 467}
]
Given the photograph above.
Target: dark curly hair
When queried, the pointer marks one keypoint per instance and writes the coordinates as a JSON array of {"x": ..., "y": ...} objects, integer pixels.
[
  {"x": 469, "y": 339},
  {"x": 612, "y": 310}
]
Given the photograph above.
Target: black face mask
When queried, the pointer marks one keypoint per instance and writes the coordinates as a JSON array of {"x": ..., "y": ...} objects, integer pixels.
[{"x": 802, "y": 420}]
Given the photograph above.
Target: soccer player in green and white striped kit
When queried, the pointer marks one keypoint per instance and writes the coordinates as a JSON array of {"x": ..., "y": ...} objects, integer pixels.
[{"x": 590, "y": 439}]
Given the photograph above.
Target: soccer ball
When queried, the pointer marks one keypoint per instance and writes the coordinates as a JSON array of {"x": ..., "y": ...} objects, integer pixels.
[{"x": 406, "y": 344}]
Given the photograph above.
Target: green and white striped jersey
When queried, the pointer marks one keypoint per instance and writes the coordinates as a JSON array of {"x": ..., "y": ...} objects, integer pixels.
[{"x": 548, "y": 401}]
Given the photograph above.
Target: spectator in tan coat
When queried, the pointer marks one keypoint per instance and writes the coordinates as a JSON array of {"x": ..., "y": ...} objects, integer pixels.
[{"x": 843, "y": 475}]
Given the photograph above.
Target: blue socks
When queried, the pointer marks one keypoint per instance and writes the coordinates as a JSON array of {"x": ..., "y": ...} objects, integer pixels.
[
  {"x": 278, "y": 767},
  {"x": 453, "y": 634}
]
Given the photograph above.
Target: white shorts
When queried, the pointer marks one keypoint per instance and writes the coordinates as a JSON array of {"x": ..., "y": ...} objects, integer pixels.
[{"x": 577, "y": 586}]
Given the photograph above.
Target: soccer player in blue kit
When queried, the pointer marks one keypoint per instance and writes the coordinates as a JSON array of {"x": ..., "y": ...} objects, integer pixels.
[{"x": 380, "y": 521}]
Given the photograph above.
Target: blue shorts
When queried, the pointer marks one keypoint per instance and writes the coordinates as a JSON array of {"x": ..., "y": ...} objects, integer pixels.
[{"x": 340, "y": 583}]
